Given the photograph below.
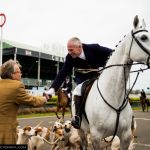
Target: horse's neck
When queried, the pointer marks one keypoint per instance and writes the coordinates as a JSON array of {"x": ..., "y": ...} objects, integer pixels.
[
  {"x": 120, "y": 55},
  {"x": 61, "y": 95},
  {"x": 119, "y": 61},
  {"x": 115, "y": 78}
]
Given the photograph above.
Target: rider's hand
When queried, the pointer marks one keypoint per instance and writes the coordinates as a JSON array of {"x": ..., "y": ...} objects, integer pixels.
[
  {"x": 64, "y": 89},
  {"x": 51, "y": 91},
  {"x": 46, "y": 96}
]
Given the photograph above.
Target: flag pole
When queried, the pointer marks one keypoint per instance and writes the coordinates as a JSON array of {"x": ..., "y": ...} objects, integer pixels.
[{"x": 2, "y": 22}]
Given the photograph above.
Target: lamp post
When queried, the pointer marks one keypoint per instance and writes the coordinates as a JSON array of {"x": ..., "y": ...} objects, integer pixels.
[
  {"x": 38, "y": 71},
  {"x": 148, "y": 91},
  {"x": 57, "y": 67},
  {"x": 2, "y": 22}
]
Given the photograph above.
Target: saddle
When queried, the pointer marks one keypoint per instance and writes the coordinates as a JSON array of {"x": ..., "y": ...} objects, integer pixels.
[
  {"x": 84, "y": 93},
  {"x": 86, "y": 88}
]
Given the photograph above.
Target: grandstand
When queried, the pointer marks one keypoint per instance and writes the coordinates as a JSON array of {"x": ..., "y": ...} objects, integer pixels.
[{"x": 39, "y": 67}]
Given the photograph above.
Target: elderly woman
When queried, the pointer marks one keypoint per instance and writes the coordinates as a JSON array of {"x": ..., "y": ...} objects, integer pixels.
[{"x": 12, "y": 94}]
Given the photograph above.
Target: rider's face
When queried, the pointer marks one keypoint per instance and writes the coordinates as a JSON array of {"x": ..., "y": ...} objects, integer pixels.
[{"x": 74, "y": 50}]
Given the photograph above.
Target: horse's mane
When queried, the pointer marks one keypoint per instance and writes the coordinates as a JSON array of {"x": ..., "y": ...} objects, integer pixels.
[
  {"x": 113, "y": 50},
  {"x": 109, "y": 56}
]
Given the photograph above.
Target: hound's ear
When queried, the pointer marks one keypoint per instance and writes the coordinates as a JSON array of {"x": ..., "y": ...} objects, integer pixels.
[{"x": 136, "y": 21}]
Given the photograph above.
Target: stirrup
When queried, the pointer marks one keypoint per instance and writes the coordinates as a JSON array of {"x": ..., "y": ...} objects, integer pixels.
[
  {"x": 76, "y": 117},
  {"x": 76, "y": 122}
]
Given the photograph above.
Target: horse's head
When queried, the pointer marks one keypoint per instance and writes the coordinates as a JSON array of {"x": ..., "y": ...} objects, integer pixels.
[
  {"x": 62, "y": 94},
  {"x": 139, "y": 50}
]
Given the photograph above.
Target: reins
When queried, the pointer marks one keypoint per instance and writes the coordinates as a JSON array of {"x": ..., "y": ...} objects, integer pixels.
[{"x": 84, "y": 71}]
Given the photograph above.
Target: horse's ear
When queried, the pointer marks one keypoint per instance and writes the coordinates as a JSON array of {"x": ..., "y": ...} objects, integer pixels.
[
  {"x": 143, "y": 24},
  {"x": 136, "y": 21}
]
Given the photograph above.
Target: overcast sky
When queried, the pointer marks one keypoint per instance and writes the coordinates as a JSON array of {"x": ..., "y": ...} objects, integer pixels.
[{"x": 39, "y": 22}]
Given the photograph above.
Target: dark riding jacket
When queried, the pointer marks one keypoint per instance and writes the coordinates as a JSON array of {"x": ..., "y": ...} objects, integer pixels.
[
  {"x": 68, "y": 86},
  {"x": 96, "y": 56}
]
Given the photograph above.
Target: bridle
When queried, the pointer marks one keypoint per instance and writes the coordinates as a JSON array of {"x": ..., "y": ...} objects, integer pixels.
[{"x": 140, "y": 45}]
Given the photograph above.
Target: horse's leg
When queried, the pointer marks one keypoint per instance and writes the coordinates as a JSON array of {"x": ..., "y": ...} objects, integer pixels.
[
  {"x": 95, "y": 139},
  {"x": 142, "y": 107},
  {"x": 57, "y": 110},
  {"x": 70, "y": 111},
  {"x": 142, "y": 103},
  {"x": 147, "y": 104},
  {"x": 125, "y": 140},
  {"x": 83, "y": 137},
  {"x": 96, "y": 144},
  {"x": 63, "y": 112}
]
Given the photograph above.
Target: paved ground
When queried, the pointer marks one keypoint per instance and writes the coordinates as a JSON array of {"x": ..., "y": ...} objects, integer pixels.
[
  {"x": 143, "y": 130},
  {"x": 142, "y": 142}
]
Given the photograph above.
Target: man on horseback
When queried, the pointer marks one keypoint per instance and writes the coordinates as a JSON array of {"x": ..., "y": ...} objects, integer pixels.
[
  {"x": 80, "y": 56},
  {"x": 67, "y": 87},
  {"x": 143, "y": 94},
  {"x": 144, "y": 101}
]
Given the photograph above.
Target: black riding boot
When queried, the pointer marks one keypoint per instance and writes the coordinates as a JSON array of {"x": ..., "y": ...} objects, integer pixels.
[{"x": 76, "y": 120}]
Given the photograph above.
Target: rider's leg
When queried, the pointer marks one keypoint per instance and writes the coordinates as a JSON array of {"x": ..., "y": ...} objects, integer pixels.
[
  {"x": 76, "y": 120},
  {"x": 69, "y": 95},
  {"x": 69, "y": 99}
]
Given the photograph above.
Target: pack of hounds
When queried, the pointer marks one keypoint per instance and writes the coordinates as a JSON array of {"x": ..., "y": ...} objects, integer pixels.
[{"x": 62, "y": 135}]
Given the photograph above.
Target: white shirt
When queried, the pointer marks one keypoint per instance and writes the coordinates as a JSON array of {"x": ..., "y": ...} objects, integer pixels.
[{"x": 82, "y": 55}]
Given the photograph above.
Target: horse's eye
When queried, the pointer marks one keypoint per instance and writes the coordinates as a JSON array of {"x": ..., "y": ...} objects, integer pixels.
[{"x": 144, "y": 38}]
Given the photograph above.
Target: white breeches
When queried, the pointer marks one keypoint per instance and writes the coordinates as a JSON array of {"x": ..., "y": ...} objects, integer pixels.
[
  {"x": 69, "y": 95},
  {"x": 77, "y": 90}
]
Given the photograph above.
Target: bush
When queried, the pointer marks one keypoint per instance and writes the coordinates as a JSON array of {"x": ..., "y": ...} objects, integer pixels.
[
  {"x": 135, "y": 99},
  {"x": 53, "y": 100},
  {"x": 50, "y": 109},
  {"x": 24, "y": 111},
  {"x": 29, "y": 110}
]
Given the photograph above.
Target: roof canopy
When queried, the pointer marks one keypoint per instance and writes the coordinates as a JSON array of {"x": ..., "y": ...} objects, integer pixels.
[{"x": 10, "y": 47}]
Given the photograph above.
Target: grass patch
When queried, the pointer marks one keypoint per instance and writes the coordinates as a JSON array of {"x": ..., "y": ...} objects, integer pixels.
[
  {"x": 35, "y": 115},
  {"x": 31, "y": 115},
  {"x": 136, "y": 108}
]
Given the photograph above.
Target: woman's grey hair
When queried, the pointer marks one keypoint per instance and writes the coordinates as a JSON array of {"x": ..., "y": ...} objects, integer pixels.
[{"x": 7, "y": 69}]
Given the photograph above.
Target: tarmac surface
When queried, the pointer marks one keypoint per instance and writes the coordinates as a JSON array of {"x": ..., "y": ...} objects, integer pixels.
[{"x": 141, "y": 142}]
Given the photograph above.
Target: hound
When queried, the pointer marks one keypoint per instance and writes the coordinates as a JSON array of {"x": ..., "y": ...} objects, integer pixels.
[{"x": 72, "y": 139}]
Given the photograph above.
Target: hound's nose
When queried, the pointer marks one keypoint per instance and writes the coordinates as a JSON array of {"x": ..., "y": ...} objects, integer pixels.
[{"x": 67, "y": 129}]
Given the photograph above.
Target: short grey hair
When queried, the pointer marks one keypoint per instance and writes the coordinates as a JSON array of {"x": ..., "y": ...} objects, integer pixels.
[
  {"x": 76, "y": 41},
  {"x": 7, "y": 69}
]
